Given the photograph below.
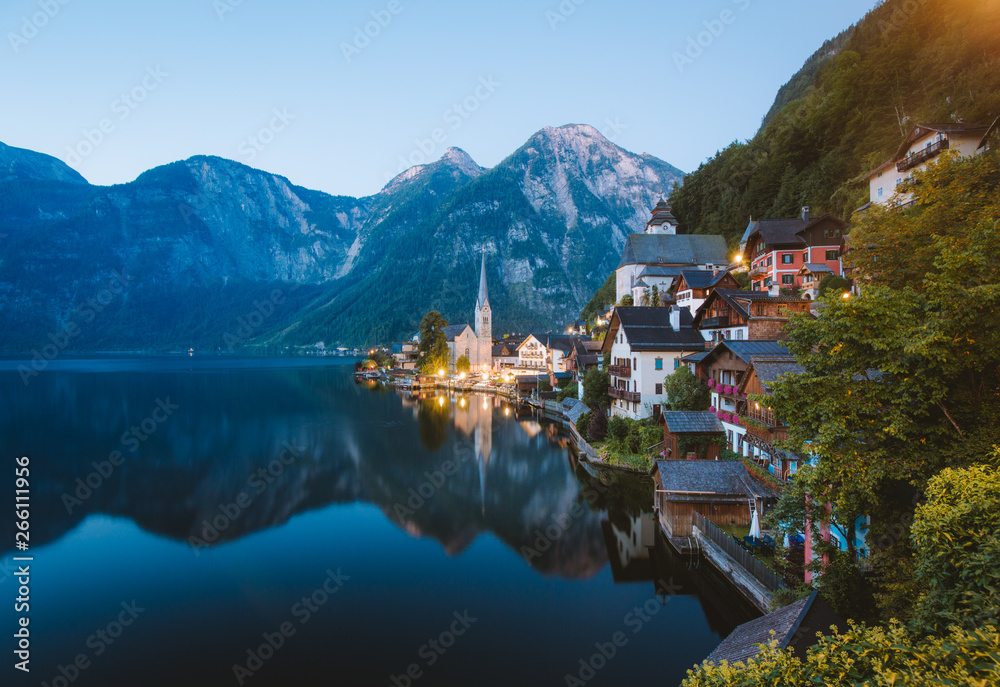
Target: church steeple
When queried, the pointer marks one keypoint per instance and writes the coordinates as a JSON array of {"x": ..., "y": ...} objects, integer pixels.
[
  {"x": 484, "y": 326},
  {"x": 484, "y": 298}
]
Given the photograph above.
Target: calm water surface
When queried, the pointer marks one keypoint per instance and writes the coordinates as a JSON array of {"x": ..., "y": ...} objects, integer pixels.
[{"x": 456, "y": 538}]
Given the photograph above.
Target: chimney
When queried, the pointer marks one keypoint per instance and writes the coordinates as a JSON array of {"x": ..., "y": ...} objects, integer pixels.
[
  {"x": 675, "y": 318},
  {"x": 805, "y": 213},
  {"x": 715, "y": 271}
]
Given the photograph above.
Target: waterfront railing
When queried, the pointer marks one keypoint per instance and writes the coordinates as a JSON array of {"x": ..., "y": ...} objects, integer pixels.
[{"x": 747, "y": 560}]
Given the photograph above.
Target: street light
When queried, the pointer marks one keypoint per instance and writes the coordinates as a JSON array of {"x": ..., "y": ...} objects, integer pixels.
[{"x": 847, "y": 294}]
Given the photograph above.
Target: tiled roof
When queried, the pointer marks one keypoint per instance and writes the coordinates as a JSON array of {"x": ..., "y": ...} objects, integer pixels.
[
  {"x": 648, "y": 328},
  {"x": 736, "y": 298},
  {"x": 454, "y": 330},
  {"x": 746, "y": 350},
  {"x": 694, "y": 357},
  {"x": 743, "y": 642},
  {"x": 768, "y": 369},
  {"x": 779, "y": 231},
  {"x": 702, "y": 279},
  {"x": 709, "y": 477},
  {"x": 673, "y": 249},
  {"x": 681, "y": 422},
  {"x": 657, "y": 271},
  {"x": 816, "y": 267}
]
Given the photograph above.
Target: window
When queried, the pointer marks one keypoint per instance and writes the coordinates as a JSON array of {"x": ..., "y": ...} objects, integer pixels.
[
  {"x": 677, "y": 363},
  {"x": 787, "y": 259},
  {"x": 659, "y": 364},
  {"x": 635, "y": 364},
  {"x": 659, "y": 388},
  {"x": 739, "y": 334},
  {"x": 880, "y": 191},
  {"x": 768, "y": 261},
  {"x": 788, "y": 279},
  {"x": 767, "y": 282},
  {"x": 832, "y": 255},
  {"x": 805, "y": 256}
]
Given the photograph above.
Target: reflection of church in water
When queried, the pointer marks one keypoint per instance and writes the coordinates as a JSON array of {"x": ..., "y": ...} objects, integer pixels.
[{"x": 474, "y": 419}]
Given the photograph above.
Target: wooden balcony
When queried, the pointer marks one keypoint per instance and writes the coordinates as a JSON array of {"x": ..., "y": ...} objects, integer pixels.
[
  {"x": 712, "y": 322},
  {"x": 911, "y": 161},
  {"x": 623, "y": 371},
  {"x": 768, "y": 436},
  {"x": 622, "y": 395},
  {"x": 760, "y": 271}
]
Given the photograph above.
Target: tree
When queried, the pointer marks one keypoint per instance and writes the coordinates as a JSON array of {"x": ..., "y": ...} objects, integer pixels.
[
  {"x": 462, "y": 364},
  {"x": 956, "y": 540},
  {"x": 595, "y": 389},
  {"x": 655, "y": 301},
  {"x": 598, "y": 428},
  {"x": 433, "y": 346},
  {"x": 568, "y": 391},
  {"x": 626, "y": 300},
  {"x": 833, "y": 282},
  {"x": 604, "y": 298},
  {"x": 909, "y": 371},
  {"x": 685, "y": 391}
]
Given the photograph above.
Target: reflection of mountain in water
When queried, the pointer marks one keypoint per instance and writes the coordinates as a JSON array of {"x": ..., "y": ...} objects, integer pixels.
[{"x": 350, "y": 444}]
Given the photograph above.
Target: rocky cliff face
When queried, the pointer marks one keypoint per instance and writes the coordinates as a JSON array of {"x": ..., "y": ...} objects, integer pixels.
[{"x": 200, "y": 242}]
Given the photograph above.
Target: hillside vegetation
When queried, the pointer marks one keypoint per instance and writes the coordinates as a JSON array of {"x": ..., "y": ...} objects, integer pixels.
[{"x": 906, "y": 62}]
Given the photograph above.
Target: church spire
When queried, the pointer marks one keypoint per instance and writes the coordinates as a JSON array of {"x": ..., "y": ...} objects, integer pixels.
[{"x": 484, "y": 297}]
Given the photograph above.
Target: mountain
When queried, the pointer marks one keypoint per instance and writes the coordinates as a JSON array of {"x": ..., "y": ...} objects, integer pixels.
[
  {"x": 848, "y": 110},
  {"x": 214, "y": 254},
  {"x": 21, "y": 164}
]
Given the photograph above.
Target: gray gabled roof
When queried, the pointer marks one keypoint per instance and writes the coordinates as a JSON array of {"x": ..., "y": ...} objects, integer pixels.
[
  {"x": 746, "y": 350},
  {"x": 698, "y": 480},
  {"x": 816, "y": 267},
  {"x": 769, "y": 369},
  {"x": 454, "y": 330},
  {"x": 702, "y": 279},
  {"x": 673, "y": 249},
  {"x": 648, "y": 329},
  {"x": 687, "y": 422}
]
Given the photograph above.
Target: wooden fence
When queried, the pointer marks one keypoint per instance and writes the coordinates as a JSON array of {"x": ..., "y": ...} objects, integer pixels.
[{"x": 750, "y": 563}]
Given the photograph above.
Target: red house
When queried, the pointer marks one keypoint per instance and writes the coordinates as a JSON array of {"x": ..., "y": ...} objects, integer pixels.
[{"x": 777, "y": 249}]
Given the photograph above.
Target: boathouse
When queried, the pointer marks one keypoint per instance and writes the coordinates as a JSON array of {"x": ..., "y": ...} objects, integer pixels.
[
  {"x": 723, "y": 491},
  {"x": 692, "y": 435}
]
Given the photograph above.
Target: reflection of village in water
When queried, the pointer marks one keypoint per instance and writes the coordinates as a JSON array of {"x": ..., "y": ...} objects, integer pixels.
[{"x": 634, "y": 546}]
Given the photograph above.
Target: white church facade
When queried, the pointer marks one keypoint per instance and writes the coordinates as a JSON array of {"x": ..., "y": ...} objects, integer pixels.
[{"x": 476, "y": 343}]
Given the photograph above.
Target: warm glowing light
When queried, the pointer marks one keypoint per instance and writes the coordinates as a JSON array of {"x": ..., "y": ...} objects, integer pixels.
[
  {"x": 506, "y": 411},
  {"x": 441, "y": 401},
  {"x": 485, "y": 405},
  {"x": 441, "y": 373},
  {"x": 847, "y": 294},
  {"x": 461, "y": 403},
  {"x": 461, "y": 376}
]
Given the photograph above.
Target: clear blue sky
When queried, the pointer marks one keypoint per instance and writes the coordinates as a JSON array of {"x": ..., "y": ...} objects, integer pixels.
[{"x": 210, "y": 75}]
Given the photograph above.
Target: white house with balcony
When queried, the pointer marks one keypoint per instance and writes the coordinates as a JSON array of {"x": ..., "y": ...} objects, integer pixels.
[
  {"x": 889, "y": 182},
  {"x": 532, "y": 354},
  {"x": 646, "y": 344}
]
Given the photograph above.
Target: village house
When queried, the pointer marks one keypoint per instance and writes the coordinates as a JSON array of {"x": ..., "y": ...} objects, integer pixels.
[
  {"x": 724, "y": 368},
  {"x": 723, "y": 491},
  {"x": 558, "y": 349},
  {"x": 586, "y": 355},
  {"x": 532, "y": 353},
  {"x": 764, "y": 430},
  {"x": 729, "y": 314},
  {"x": 692, "y": 435},
  {"x": 889, "y": 183},
  {"x": 505, "y": 355},
  {"x": 776, "y": 249},
  {"x": 406, "y": 355},
  {"x": 657, "y": 256},
  {"x": 645, "y": 344},
  {"x": 810, "y": 275},
  {"x": 693, "y": 287}
]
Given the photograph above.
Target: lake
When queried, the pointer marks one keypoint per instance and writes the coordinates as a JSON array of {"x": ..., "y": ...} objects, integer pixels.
[{"x": 217, "y": 521}]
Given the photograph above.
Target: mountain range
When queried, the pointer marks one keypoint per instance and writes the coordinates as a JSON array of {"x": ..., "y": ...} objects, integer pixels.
[{"x": 211, "y": 254}]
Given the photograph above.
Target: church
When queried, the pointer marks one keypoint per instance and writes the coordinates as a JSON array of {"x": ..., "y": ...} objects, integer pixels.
[{"x": 474, "y": 343}]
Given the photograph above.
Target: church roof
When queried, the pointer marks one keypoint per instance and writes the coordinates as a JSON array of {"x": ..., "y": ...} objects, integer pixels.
[
  {"x": 453, "y": 331},
  {"x": 673, "y": 249},
  {"x": 484, "y": 296}
]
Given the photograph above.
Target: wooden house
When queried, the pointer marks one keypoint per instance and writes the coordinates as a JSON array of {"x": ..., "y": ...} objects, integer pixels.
[
  {"x": 692, "y": 435},
  {"x": 763, "y": 428},
  {"x": 693, "y": 287},
  {"x": 722, "y": 491},
  {"x": 730, "y": 314}
]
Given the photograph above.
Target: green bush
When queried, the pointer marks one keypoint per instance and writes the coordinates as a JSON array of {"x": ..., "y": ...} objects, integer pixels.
[
  {"x": 583, "y": 423},
  {"x": 618, "y": 429},
  {"x": 597, "y": 430},
  {"x": 569, "y": 391}
]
